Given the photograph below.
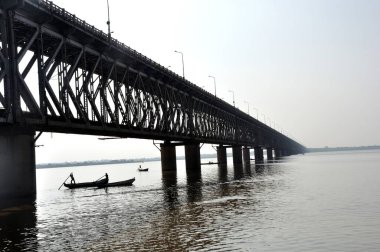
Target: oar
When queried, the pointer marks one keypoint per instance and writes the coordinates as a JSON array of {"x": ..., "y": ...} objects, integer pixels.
[
  {"x": 64, "y": 182},
  {"x": 100, "y": 178}
]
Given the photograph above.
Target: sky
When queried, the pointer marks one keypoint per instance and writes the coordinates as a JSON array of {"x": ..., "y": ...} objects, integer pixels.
[{"x": 308, "y": 68}]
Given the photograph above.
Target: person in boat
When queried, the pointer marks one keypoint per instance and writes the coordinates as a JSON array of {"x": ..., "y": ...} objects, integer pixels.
[
  {"x": 106, "y": 178},
  {"x": 139, "y": 166},
  {"x": 72, "y": 178}
]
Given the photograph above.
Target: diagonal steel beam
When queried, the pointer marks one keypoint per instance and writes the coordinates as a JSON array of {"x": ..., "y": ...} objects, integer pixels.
[
  {"x": 88, "y": 77},
  {"x": 29, "y": 66},
  {"x": 27, "y": 96},
  {"x": 23, "y": 51},
  {"x": 52, "y": 58}
]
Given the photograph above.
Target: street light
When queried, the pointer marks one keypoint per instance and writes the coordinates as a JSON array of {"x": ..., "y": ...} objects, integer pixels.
[
  {"x": 247, "y": 106},
  {"x": 214, "y": 83},
  {"x": 183, "y": 65},
  {"x": 233, "y": 96},
  {"x": 265, "y": 121},
  {"x": 108, "y": 22},
  {"x": 257, "y": 113}
]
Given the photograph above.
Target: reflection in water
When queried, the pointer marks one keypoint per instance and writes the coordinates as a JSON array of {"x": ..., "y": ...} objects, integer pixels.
[
  {"x": 223, "y": 180},
  {"x": 169, "y": 186},
  {"x": 238, "y": 171},
  {"x": 222, "y": 173},
  {"x": 194, "y": 185},
  {"x": 247, "y": 170},
  {"x": 219, "y": 208},
  {"x": 270, "y": 206},
  {"x": 259, "y": 168},
  {"x": 18, "y": 230}
]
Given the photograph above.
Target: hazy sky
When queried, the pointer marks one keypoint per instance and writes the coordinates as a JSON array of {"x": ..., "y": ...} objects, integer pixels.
[{"x": 311, "y": 67}]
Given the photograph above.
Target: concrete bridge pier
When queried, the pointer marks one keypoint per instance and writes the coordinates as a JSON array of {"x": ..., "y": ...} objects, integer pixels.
[
  {"x": 259, "y": 155},
  {"x": 192, "y": 157},
  {"x": 17, "y": 165},
  {"x": 277, "y": 153},
  {"x": 269, "y": 154},
  {"x": 168, "y": 157},
  {"x": 236, "y": 155},
  {"x": 221, "y": 154},
  {"x": 246, "y": 155}
]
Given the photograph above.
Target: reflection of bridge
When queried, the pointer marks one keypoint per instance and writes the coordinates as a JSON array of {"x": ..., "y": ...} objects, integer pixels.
[{"x": 60, "y": 74}]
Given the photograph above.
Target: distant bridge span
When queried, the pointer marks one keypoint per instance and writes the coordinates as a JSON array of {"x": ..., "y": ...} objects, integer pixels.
[{"x": 60, "y": 74}]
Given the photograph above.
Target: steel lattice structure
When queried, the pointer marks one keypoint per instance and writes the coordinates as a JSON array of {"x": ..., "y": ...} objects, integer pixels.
[{"x": 60, "y": 74}]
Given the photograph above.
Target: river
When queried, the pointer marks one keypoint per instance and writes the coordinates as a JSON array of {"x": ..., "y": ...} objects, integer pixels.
[{"x": 311, "y": 202}]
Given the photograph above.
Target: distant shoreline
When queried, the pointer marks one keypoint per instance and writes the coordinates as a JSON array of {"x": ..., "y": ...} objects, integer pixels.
[
  {"x": 94, "y": 162},
  {"x": 358, "y": 148},
  {"x": 142, "y": 160},
  {"x": 105, "y": 162}
]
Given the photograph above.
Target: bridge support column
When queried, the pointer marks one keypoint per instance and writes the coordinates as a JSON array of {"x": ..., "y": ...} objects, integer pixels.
[
  {"x": 246, "y": 155},
  {"x": 192, "y": 157},
  {"x": 236, "y": 155},
  {"x": 277, "y": 153},
  {"x": 259, "y": 156},
  {"x": 221, "y": 154},
  {"x": 17, "y": 165},
  {"x": 269, "y": 154},
  {"x": 168, "y": 157}
]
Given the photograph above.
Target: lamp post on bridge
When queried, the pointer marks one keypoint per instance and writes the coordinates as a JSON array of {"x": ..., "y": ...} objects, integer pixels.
[
  {"x": 265, "y": 121},
  {"x": 109, "y": 22},
  {"x": 183, "y": 65},
  {"x": 257, "y": 113},
  {"x": 233, "y": 96},
  {"x": 214, "y": 83},
  {"x": 247, "y": 106}
]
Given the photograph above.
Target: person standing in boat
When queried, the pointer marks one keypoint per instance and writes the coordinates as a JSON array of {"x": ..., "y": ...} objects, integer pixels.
[
  {"x": 106, "y": 178},
  {"x": 72, "y": 178}
]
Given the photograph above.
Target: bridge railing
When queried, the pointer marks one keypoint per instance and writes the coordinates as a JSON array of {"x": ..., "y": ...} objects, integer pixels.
[{"x": 95, "y": 31}]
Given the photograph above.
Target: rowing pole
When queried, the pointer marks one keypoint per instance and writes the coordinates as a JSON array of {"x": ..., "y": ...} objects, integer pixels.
[{"x": 64, "y": 182}]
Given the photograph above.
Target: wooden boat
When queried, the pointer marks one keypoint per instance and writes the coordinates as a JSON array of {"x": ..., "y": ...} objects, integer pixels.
[
  {"x": 209, "y": 163},
  {"x": 143, "y": 169},
  {"x": 127, "y": 182},
  {"x": 87, "y": 184}
]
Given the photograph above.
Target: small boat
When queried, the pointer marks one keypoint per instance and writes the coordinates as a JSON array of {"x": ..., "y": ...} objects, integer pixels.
[
  {"x": 143, "y": 169},
  {"x": 127, "y": 182},
  {"x": 209, "y": 163},
  {"x": 86, "y": 184}
]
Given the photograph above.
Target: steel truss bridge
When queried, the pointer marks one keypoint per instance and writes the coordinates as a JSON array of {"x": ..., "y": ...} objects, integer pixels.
[{"x": 60, "y": 74}]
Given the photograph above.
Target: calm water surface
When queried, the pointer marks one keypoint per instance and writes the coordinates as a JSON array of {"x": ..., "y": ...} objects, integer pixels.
[{"x": 314, "y": 202}]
